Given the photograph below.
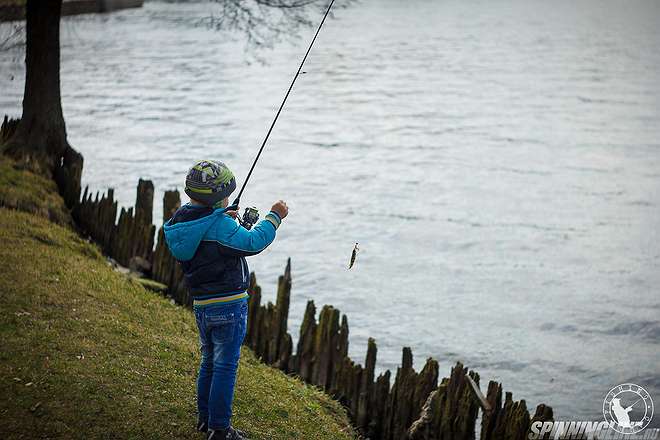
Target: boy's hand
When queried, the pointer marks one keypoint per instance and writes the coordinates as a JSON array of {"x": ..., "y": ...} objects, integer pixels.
[
  {"x": 232, "y": 214},
  {"x": 280, "y": 208}
]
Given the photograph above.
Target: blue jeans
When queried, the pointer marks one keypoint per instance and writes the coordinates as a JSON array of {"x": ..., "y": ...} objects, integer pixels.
[{"x": 221, "y": 332}]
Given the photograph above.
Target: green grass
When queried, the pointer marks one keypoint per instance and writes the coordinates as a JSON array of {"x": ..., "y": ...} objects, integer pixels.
[
  {"x": 23, "y": 190},
  {"x": 87, "y": 353},
  {"x": 12, "y": 2}
]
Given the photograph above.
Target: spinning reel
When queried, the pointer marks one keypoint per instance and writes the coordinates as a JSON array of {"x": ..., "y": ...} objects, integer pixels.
[{"x": 250, "y": 217}]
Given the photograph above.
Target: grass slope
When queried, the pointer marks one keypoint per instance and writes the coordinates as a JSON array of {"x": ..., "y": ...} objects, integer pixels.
[
  {"x": 23, "y": 190},
  {"x": 87, "y": 353}
]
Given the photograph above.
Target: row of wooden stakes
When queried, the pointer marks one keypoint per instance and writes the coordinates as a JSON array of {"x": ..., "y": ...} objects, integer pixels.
[{"x": 411, "y": 405}]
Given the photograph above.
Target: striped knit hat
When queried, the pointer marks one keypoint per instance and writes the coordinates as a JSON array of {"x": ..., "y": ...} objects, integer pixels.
[{"x": 209, "y": 182}]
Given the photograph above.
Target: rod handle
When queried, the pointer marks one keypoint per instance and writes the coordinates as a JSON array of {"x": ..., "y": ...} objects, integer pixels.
[{"x": 234, "y": 205}]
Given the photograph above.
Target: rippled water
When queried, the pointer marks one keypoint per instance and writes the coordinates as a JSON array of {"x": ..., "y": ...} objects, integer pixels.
[{"x": 498, "y": 162}]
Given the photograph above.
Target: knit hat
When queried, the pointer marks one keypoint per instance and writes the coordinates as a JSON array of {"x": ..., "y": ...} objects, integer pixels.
[{"x": 209, "y": 182}]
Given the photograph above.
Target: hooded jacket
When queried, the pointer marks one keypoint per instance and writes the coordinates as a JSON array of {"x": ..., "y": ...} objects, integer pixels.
[{"x": 211, "y": 248}]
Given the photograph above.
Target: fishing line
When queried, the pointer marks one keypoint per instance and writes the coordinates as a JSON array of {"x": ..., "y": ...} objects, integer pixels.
[{"x": 234, "y": 206}]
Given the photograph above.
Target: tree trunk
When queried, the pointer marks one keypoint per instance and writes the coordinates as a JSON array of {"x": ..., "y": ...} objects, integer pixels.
[{"x": 40, "y": 139}]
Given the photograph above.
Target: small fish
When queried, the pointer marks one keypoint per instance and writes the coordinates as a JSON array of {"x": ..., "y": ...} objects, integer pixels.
[{"x": 353, "y": 255}]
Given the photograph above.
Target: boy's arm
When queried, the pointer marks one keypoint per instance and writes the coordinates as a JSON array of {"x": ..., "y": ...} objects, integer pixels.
[{"x": 238, "y": 241}]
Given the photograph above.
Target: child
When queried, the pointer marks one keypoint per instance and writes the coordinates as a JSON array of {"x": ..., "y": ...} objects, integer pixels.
[{"x": 211, "y": 248}]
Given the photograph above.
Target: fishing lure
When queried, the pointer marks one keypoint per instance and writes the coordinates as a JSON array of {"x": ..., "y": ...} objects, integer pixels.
[{"x": 353, "y": 255}]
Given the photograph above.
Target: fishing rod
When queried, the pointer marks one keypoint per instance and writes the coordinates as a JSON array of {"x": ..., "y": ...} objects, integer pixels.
[{"x": 251, "y": 215}]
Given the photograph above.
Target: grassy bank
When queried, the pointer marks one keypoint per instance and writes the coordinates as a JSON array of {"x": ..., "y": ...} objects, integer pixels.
[
  {"x": 87, "y": 353},
  {"x": 12, "y": 2},
  {"x": 25, "y": 191}
]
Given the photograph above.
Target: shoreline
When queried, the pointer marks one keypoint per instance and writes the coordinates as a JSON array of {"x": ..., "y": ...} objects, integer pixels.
[
  {"x": 404, "y": 404},
  {"x": 15, "y": 10},
  {"x": 88, "y": 351},
  {"x": 393, "y": 405}
]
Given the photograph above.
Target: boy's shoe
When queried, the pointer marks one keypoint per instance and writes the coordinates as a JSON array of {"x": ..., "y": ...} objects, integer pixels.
[
  {"x": 226, "y": 434},
  {"x": 202, "y": 426}
]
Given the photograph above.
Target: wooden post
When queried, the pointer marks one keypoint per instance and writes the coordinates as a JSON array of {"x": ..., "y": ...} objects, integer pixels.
[
  {"x": 380, "y": 397},
  {"x": 281, "y": 339},
  {"x": 342, "y": 367},
  {"x": 305, "y": 355},
  {"x": 165, "y": 268},
  {"x": 96, "y": 217},
  {"x": 171, "y": 202},
  {"x": 144, "y": 202},
  {"x": 366, "y": 388},
  {"x": 489, "y": 419},
  {"x": 254, "y": 303},
  {"x": 415, "y": 407},
  {"x": 134, "y": 234},
  {"x": 324, "y": 346},
  {"x": 409, "y": 392},
  {"x": 513, "y": 420}
]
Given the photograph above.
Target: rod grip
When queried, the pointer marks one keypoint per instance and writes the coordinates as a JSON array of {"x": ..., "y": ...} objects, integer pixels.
[{"x": 234, "y": 205}]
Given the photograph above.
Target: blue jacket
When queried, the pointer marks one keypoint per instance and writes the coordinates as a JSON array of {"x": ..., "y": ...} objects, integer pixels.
[{"x": 211, "y": 247}]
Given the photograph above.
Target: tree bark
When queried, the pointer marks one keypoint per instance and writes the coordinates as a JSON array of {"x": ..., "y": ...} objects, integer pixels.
[{"x": 40, "y": 141}]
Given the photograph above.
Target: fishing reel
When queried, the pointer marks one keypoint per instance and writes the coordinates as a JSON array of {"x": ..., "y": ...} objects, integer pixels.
[{"x": 250, "y": 217}]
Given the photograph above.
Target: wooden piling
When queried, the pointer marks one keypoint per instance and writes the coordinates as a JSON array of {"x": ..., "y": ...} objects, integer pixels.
[
  {"x": 8, "y": 128},
  {"x": 132, "y": 235},
  {"x": 305, "y": 356},
  {"x": 267, "y": 325},
  {"x": 165, "y": 268},
  {"x": 408, "y": 394},
  {"x": 144, "y": 202},
  {"x": 281, "y": 344},
  {"x": 489, "y": 418},
  {"x": 96, "y": 217},
  {"x": 254, "y": 301},
  {"x": 366, "y": 387},
  {"x": 413, "y": 406},
  {"x": 377, "y": 417},
  {"x": 171, "y": 202},
  {"x": 325, "y": 344}
]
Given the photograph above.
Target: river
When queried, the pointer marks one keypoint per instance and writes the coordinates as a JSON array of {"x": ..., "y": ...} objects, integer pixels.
[{"x": 498, "y": 163}]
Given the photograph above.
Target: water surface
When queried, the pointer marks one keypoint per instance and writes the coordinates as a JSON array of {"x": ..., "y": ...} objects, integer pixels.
[{"x": 498, "y": 162}]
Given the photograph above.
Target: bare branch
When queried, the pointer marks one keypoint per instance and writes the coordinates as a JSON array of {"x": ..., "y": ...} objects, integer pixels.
[
  {"x": 12, "y": 35},
  {"x": 265, "y": 22}
]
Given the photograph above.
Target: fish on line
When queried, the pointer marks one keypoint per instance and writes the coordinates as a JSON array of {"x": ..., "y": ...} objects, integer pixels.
[{"x": 353, "y": 256}]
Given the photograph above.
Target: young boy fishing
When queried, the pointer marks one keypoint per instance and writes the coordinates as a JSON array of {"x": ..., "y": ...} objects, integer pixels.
[{"x": 211, "y": 246}]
